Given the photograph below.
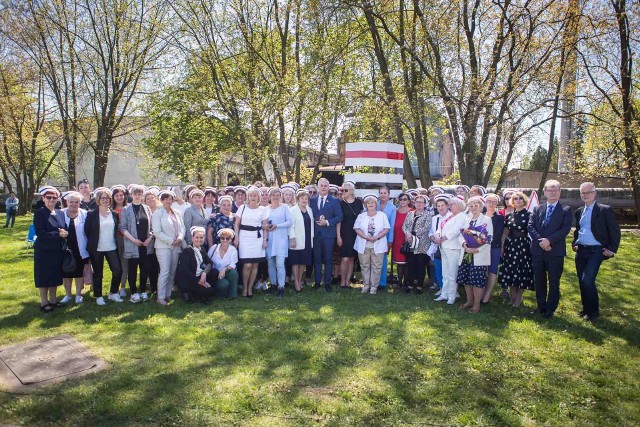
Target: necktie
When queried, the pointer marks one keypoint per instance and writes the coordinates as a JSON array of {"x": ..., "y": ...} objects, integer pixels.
[
  {"x": 321, "y": 203},
  {"x": 549, "y": 213}
]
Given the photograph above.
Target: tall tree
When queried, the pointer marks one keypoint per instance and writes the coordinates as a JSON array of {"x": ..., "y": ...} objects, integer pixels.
[
  {"x": 609, "y": 39},
  {"x": 27, "y": 151},
  {"x": 121, "y": 42}
]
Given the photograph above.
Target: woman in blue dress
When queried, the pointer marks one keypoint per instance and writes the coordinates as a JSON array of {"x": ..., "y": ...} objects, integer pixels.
[
  {"x": 278, "y": 220},
  {"x": 51, "y": 230}
]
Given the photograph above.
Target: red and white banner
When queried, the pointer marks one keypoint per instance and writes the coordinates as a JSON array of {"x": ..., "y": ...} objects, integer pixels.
[
  {"x": 382, "y": 154},
  {"x": 533, "y": 201}
]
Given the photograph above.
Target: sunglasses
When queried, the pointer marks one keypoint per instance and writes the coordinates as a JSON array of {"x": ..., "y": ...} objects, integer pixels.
[
  {"x": 517, "y": 198},
  {"x": 313, "y": 192},
  {"x": 51, "y": 197},
  {"x": 225, "y": 238}
]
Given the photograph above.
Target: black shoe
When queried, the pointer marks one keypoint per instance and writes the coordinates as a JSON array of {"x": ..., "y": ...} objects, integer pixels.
[
  {"x": 280, "y": 293},
  {"x": 547, "y": 314},
  {"x": 327, "y": 288},
  {"x": 47, "y": 308},
  {"x": 335, "y": 280},
  {"x": 592, "y": 317},
  {"x": 582, "y": 313},
  {"x": 316, "y": 286},
  {"x": 418, "y": 291},
  {"x": 538, "y": 311},
  {"x": 271, "y": 289},
  {"x": 406, "y": 289},
  {"x": 207, "y": 301},
  {"x": 186, "y": 298}
]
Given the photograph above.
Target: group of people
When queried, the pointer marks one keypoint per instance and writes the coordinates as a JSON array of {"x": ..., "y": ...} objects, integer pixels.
[{"x": 205, "y": 243}]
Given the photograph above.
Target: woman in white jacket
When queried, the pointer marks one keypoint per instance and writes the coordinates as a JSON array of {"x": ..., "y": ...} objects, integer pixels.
[
  {"x": 451, "y": 248},
  {"x": 301, "y": 237},
  {"x": 168, "y": 230},
  {"x": 371, "y": 226},
  {"x": 473, "y": 275}
]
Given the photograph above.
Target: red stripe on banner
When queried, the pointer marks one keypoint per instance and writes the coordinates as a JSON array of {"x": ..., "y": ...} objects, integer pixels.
[{"x": 364, "y": 154}]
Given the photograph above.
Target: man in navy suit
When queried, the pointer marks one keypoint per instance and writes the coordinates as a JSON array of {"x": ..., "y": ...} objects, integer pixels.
[
  {"x": 596, "y": 238},
  {"x": 327, "y": 214},
  {"x": 549, "y": 225}
]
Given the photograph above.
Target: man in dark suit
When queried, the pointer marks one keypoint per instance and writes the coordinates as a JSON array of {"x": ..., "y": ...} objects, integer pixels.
[
  {"x": 327, "y": 214},
  {"x": 596, "y": 238},
  {"x": 549, "y": 225}
]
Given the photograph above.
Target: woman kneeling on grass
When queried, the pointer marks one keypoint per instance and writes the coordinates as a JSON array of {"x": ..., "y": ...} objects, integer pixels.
[
  {"x": 193, "y": 272},
  {"x": 224, "y": 257}
]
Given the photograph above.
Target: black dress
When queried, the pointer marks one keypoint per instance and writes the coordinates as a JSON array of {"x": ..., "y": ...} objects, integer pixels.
[
  {"x": 72, "y": 243},
  {"x": 350, "y": 212},
  {"x": 516, "y": 268},
  {"x": 303, "y": 256},
  {"x": 47, "y": 249}
]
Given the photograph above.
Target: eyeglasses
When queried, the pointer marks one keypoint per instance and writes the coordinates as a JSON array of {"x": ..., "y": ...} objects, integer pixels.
[
  {"x": 420, "y": 201},
  {"x": 313, "y": 192},
  {"x": 51, "y": 197},
  {"x": 552, "y": 190},
  {"x": 105, "y": 198},
  {"x": 225, "y": 238},
  {"x": 584, "y": 193},
  {"x": 517, "y": 198}
]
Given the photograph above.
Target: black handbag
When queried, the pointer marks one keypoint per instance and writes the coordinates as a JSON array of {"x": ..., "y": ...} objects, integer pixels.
[
  {"x": 68, "y": 260},
  {"x": 405, "y": 249}
]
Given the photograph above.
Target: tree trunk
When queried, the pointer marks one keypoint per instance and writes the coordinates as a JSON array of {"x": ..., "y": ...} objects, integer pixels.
[
  {"x": 388, "y": 88},
  {"x": 626, "y": 86},
  {"x": 554, "y": 116}
]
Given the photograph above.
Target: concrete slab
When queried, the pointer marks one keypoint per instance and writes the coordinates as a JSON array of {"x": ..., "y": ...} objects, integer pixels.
[{"x": 34, "y": 364}]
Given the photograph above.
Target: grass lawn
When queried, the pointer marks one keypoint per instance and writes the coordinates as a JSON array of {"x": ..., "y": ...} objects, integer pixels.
[{"x": 335, "y": 359}]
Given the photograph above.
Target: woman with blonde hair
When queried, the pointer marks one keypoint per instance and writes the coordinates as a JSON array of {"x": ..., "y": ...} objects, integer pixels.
[
  {"x": 516, "y": 270},
  {"x": 301, "y": 238},
  {"x": 251, "y": 238},
  {"x": 224, "y": 257},
  {"x": 278, "y": 220},
  {"x": 352, "y": 207}
]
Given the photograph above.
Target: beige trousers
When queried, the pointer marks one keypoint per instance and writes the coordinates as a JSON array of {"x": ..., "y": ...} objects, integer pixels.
[{"x": 371, "y": 266}]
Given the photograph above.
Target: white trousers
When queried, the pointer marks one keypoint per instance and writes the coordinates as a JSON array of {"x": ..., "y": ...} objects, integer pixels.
[
  {"x": 168, "y": 261},
  {"x": 450, "y": 259}
]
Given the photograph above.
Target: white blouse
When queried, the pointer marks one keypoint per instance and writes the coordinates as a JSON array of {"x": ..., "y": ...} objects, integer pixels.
[
  {"x": 230, "y": 258},
  {"x": 381, "y": 222},
  {"x": 106, "y": 242}
]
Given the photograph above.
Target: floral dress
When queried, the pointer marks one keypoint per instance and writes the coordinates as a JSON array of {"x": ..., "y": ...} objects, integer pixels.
[
  {"x": 219, "y": 222},
  {"x": 516, "y": 268}
]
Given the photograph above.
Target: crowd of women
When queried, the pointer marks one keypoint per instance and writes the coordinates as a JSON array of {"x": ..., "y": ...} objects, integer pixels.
[{"x": 203, "y": 243}]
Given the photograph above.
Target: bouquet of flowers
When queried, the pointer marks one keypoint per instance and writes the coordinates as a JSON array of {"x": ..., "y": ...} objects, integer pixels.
[{"x": 474, "y": 237}]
